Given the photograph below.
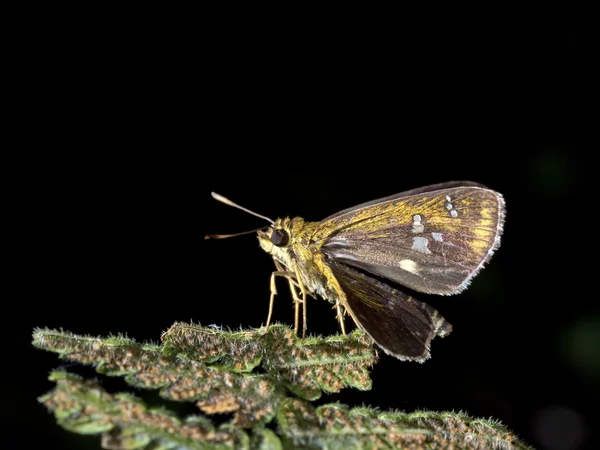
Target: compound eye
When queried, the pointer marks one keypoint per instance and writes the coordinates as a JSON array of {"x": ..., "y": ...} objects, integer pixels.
[{"x": 280, "y": 238}]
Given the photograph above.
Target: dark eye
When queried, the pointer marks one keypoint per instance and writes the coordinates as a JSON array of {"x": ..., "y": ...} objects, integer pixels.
[{"x": 280, "y": 238}]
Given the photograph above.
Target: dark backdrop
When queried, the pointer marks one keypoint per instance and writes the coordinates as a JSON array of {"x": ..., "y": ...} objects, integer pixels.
[{"x": 125, "y": 125}]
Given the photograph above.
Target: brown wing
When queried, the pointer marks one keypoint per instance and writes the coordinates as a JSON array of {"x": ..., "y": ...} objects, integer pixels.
[
  {"x": 430, "y": 241},
  {"x": 401, "y": 326}
]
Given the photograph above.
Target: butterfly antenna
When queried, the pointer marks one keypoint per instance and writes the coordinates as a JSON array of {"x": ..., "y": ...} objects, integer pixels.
[{"x": 225, "y": 200}]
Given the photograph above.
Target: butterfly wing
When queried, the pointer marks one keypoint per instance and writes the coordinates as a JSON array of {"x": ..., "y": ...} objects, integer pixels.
[
  {"x": 432, "y": 239},
  {"x": 401, "y": 326}
]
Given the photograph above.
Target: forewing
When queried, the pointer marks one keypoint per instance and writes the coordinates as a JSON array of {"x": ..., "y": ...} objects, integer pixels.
[
  {"x": 420, "y": 190},
  {"x": 401, "y": 326},
  {"x": 431, "y": 241}
]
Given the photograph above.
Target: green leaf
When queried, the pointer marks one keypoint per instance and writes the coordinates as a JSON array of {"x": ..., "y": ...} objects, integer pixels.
[{"x": 253, "y": 377}]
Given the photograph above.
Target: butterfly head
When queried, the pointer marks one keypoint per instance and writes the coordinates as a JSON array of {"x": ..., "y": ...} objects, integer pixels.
[{"x": 276, "y": 240}]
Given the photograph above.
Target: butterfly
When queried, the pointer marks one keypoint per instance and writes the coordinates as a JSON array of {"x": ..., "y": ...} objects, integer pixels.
[{"x": 370, "y": 259}]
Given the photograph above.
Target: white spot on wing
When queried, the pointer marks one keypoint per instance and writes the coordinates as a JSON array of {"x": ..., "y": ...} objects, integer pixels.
[
  {"x": 408, "y": 265},
  {"x": 437, "y": 236},
  {"x": 450, "y": 208},
  {"x": 420, "y": 244},
  {"x": 417, "y": 227}
]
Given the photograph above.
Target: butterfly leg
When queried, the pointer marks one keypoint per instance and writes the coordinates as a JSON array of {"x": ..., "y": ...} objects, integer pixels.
[
  {"x": 277, "y": 273},
  {"x": 340, "y": 317},
  {"x": 303, "y": 312},
  {"x": 297, "y": 302}
]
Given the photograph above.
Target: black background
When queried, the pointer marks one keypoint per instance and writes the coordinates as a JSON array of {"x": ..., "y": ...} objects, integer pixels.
[{"x": 125, "y": 124}]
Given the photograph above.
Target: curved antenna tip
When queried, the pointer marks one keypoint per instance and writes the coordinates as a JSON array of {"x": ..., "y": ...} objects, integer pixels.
[{"x": 225, "y": 200}]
